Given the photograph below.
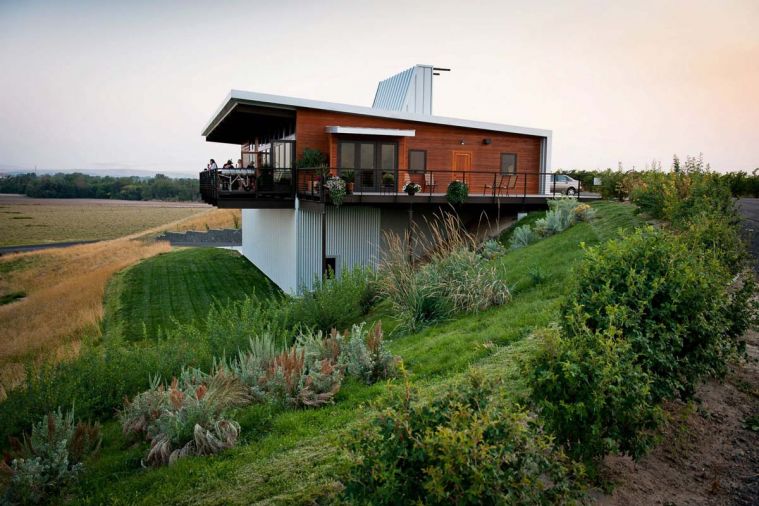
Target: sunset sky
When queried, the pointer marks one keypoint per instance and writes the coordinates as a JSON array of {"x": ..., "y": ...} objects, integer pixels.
[{"x": 130, "y": 85}]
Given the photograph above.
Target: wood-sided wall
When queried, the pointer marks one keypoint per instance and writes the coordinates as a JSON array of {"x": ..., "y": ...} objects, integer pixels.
[{"x": 440, "y": 142}]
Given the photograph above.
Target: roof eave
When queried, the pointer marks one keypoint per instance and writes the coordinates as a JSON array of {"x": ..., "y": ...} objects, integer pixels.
[{"x": 253, "y": 98}]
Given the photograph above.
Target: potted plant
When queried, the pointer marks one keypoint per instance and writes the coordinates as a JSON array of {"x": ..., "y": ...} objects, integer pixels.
[
  {"x": 349, "y": 178},
  {"x": 336, "y": 188},
  {"x": 457, "y": 192},
  {"x": 388, "y": 180},
  {"x": 412, "y": 188}
]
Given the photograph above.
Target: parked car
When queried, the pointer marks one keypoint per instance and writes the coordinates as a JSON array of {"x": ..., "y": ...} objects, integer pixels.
[{"x": 565, "y": 184}]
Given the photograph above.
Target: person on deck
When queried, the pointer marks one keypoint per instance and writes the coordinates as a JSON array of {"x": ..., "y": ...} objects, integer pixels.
[{"x": 212, "y": 165}]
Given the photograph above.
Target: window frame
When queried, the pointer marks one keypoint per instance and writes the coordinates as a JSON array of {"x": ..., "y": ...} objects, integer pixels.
[
  {"x": 516, "y": 160},
  {"x": 417, "y": 171}
]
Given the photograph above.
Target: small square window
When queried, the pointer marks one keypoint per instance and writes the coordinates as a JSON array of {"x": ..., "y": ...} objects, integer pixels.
[
  {"x": 417, "y": 160},
  {"x": 508, "y": 163}
]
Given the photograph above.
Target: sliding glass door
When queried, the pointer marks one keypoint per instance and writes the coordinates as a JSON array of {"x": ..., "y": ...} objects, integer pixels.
[{"x": 371, "y": 165}]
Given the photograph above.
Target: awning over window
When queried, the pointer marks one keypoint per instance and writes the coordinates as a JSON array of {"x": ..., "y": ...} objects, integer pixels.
[{"x": 386, "y": 132}]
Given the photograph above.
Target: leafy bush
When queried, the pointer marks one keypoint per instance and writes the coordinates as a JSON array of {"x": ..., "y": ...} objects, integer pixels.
[
  {"x": 583, "y": 212},
  {"x": 457, "y": 193},
  {"x": 364, "y": 356},
  {"x": 50, "y": 458},
  {"x": 591, "y": 393},
  {"x": 335, "y": 302},
  {"x": 466, "y": 447},
  {"x": 670, "y": 303},
  {"x": 522, "y": 236}
]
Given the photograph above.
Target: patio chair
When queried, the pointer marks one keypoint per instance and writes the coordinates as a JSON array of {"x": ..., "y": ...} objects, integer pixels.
[
  {"x": 429, "y": 182},
  {"x": 512, "y": 183},
  {"x": 500, "y": 183}
]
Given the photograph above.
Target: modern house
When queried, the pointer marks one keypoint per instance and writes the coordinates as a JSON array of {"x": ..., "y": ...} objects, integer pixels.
[{"x": 291, "y": 229}]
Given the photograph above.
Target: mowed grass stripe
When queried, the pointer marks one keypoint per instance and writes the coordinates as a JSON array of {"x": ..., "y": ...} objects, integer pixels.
[{"x": 182, "y": 285}]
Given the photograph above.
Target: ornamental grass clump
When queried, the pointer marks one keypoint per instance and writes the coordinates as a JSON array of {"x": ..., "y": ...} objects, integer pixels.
[
  {"x": 50, "y": 458},
  {"x": 453, "y": 278},
  {"x": 187, "y": 417}
]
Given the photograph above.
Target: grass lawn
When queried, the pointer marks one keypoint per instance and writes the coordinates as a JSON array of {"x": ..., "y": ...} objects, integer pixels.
[
  {"x": 296, "y": 456},
  {"x": 181, "y": 286}
]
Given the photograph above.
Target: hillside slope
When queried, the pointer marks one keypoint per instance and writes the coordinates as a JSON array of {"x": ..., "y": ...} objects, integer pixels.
[{"x": 296, "y": 457}]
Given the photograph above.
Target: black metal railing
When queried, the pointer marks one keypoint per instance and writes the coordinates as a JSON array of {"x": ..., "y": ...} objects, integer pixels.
[
  {"x": 432, "y": 183},
  {"x": 261, "y": 183},
  {"x": 370, "y": 184}
]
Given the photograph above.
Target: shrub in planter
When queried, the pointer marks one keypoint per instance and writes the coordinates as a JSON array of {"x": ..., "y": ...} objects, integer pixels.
[
  {"x": 336, "y": 187},
  {"x": 50, "y": 458},
  {"x": 457, "y": 192},
  {"x": 412, "y": 188},
  {"x": 591, "y": 393},
  {"x": 466, "y": 447},
  {"x": 312, "y": 158}
]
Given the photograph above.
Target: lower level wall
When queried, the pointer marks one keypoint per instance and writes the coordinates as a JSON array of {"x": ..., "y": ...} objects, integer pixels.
[
  {"x": 353, "y": 239},
  {"x": 268, "y": 240}
]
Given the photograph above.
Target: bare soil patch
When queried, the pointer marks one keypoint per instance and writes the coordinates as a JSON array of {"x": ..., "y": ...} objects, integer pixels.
[{"x": 709, "y": 455}]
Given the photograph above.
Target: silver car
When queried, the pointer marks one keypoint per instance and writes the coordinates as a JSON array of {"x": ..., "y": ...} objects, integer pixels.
[{"x": 565, "y": 184}]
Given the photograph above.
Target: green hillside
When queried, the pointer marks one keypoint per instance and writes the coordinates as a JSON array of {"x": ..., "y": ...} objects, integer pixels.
[
  {"x": 144, "y": 300},
  {"x": 295, "y": 456}
]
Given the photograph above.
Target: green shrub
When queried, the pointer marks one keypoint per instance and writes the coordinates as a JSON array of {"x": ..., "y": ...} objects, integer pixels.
[
  {"x": 466, "y": 447},
  {"x": 522, "y": 236},
  {"x": 670, "y": 302},
  {"x": 50, "y": 458},
  {"x": 335, "y": 302},
  {"x": 97, "y": 381},
  {"x": 592, "y": 395},
  {"x": 457, "y": 193}
]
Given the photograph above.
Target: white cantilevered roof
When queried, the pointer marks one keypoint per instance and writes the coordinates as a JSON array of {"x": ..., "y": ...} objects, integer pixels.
[{"x": 276, "y": 101}]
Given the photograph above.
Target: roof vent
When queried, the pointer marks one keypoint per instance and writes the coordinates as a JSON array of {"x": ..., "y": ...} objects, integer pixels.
[{"x": 408, "y": 91}]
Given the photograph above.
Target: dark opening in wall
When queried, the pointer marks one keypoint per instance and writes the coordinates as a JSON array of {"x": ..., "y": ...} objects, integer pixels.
[{"x": 330, "y": 266}]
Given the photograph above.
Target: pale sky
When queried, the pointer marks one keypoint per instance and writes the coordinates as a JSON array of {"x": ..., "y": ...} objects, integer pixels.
[{"x": 131, "y": 84}]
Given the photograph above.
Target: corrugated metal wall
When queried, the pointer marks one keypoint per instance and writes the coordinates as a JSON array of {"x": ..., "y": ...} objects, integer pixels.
[
  {"x": 407, "y": 91},
  {"x": 268, "y": 240},
  {"x": 353, "y": 238}
]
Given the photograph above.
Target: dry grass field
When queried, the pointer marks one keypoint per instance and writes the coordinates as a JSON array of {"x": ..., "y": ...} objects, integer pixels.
[
  {"x": 64, "y": 287},
  {"x": 25, "y": 220}
]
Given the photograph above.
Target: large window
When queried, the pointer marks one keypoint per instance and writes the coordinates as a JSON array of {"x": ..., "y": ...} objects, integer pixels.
[
  {"x": 417, "y": 160},
  {"x": 508, "y": 163},
  {"x": 370, "y": 163}
]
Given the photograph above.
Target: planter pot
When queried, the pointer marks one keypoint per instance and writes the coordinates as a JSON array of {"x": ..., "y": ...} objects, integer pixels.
[
  {"x": 349, "y": 187},
  {"x": 411, "y": 193}
]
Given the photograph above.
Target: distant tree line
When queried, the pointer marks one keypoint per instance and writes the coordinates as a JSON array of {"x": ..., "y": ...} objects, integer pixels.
[
  {"x": 614, "y": 183},
  {"x": 79, "y": 186}
]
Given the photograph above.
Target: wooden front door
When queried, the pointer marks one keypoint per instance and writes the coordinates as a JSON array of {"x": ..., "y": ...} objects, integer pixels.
[{"x": 462, "y": 161}]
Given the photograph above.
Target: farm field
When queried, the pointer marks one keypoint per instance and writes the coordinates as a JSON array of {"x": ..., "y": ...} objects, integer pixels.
[
  {"x": 52, "y": 298},
  {"x": 26, "y": 220},
  {"x": 145, "y": 299},
  {"x": 295, "y": 456}
]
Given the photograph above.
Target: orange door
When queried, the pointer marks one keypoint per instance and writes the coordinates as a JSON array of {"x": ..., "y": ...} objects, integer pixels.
[
  {"x": 462, "y": 160},
  {"x": 462, "y": 164}
]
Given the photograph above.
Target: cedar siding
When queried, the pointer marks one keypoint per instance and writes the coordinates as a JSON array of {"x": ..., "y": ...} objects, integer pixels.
[{"x": 439, "y": 141}]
